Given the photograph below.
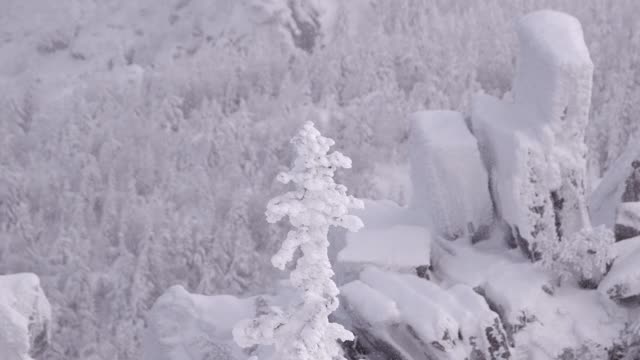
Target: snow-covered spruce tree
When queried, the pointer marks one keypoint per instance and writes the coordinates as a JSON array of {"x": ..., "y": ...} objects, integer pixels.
[{"x": 302, "y": 331}]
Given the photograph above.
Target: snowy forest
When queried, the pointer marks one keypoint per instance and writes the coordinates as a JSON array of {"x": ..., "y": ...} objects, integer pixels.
[{"x": 319, "y": 180}]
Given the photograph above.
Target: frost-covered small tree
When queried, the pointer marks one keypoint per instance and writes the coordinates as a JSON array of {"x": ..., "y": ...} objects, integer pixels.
[
  {"x": 584, "y": 256},
  {"x": 303, "y": 331}
]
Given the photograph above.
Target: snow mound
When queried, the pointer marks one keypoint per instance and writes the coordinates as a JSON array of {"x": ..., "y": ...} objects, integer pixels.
[
  {"x": 400, "y": 247},
  {"x": 25, "y": 317},
  {"x": 450, "y": 183},
  {"x": 184, "y": 326}
]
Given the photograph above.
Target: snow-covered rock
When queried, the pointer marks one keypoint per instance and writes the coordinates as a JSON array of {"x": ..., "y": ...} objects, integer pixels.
[
  {"x": 25, "y": 317},
  {"x": 517, "y": 167},
  {"x": 534, "y": 146},
  {"x": 402, "y": 316},
  {"x": 554, "y": 75},
  {"x": 450, "y": 183},
  {"x": 622, "y": 249},
  {"x": 399, "y": 247},
  {"x": 622, "y": 283},
  {"x": 542, "y": 321},
  {"x": 621, "y": 180},
  {"x": 184, "y": 326},
  {"x": 628, "y": 220}
]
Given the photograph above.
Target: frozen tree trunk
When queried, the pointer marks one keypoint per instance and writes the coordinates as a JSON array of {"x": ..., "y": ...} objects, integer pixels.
[
  {"x": 450, "y": 182},
  {"x": 25, "y": 317},
  {"x": 534, "y": 146}
]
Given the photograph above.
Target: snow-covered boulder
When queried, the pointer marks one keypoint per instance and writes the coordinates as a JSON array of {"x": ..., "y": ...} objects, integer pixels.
[
  {"x": 552, "y": 91},
  {"x": 534, "y": 146},
  {"x": 554, "y": 75},
  {"x": 25, "y": 317},
  {"x": 402, "y": 316},
  {"x": 450, "y": 183},
  {"x": 628, "y": 220},
  {"x": 517, "y": 166},
  {"x": 543, "y": 322},
  {"x": 622, "y": 283},
  {"x": 184, "y": 326},
  {"x": 402, "y": 248}
]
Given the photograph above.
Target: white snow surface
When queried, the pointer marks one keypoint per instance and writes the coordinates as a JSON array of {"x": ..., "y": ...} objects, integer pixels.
[
  {"x": 373, "y": 306},
  {"x": 398, "y": 247},
  {"x": 450, "y": 183},
  {"x": 25, "y": 317},
  {"x": 553, "y": 77},
  {"x": 556, "y": 36}
]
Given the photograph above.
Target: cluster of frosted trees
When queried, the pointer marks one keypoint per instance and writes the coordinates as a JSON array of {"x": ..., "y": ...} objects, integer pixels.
[{"x": 151, "y": 165}]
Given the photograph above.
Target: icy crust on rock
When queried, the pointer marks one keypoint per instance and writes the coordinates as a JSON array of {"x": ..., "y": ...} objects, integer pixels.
[
  {"x": 419, "y": 319},
  {"x": 25, "y": 317},
  {"x": 399, "y": 247},
  {"x": 184, "y": 326},
  {"x": 448, "y": 177}
]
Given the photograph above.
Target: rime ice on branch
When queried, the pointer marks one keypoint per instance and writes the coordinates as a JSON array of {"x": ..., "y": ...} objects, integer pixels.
[
  {"x": 303, "y": 331},
  {"x": 535, "y": 146}
]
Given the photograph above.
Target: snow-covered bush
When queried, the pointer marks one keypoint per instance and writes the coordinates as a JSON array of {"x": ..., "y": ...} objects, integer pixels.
[
  {"x": 584, "y": 257},
  {"x": 303, "y": 331}
]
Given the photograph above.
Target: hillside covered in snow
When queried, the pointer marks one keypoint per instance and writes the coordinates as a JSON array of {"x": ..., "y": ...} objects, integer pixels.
[
  {"x": 495, "y": 257},
  {"x": 496, "y": 147}
]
